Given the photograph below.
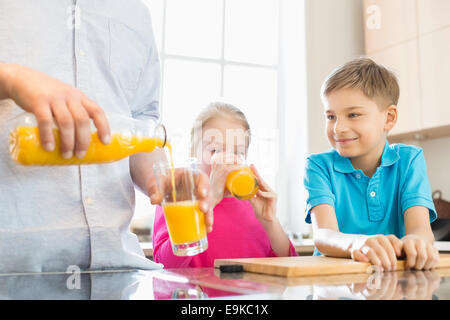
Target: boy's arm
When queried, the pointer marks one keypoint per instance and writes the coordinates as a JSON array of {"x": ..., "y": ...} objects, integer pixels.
[
  {"x": 327, "y": 238},
  {"x": 380, "y": 250},
  {"x": 418, "y": 240}
]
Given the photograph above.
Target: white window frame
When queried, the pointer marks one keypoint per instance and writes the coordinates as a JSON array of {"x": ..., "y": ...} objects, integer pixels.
[{"x": 291, "y": 107}]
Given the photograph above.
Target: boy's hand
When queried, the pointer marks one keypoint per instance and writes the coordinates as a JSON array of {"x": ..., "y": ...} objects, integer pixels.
[
  {"x": 264, "y": 203},
  {"x": 420, "y": 254},
  {"x": 380, "y": 250},
  {"x": 48, "y": 98}
]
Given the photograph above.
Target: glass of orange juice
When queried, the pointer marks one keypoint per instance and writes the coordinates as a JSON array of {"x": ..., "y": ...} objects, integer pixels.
[
  {"x": 185, "y": 221},
  {"x": 242, "y": 183}
]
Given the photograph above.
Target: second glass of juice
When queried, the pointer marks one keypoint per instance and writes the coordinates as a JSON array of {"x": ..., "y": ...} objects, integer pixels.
[{"x": 185, "y": 222}]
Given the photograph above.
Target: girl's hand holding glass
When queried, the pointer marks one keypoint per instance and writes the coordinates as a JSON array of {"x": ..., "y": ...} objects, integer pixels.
[
  {"x": 222, "y": 164},
  {"x": 264, "y": 203}
]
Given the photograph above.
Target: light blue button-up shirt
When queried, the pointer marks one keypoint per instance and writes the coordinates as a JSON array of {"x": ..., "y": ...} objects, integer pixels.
[
  {"x": 53, "y": 217},
  {"x": 373, "y": 205}
]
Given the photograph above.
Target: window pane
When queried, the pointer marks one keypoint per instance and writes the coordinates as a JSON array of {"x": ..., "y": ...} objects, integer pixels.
[
  {"x": 251, "y": 31},
  {"x": 156, "y": 11},
  {"x": 194, "y": 28},
  {"x": 188, "y": 87},
  {"x": 254, "y": 91}
]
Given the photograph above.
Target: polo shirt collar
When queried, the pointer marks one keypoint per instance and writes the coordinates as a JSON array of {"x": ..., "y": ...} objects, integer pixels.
[
  {"x": 390, "y": 155},
  {"x": 388, "y": 158}
]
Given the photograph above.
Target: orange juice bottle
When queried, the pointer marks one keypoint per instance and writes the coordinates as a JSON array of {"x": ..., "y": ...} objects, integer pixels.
[
  {"x": 242, "y": 183},
  {"x": 185, "y": 222},
  {"x": 128, "y": 136}
]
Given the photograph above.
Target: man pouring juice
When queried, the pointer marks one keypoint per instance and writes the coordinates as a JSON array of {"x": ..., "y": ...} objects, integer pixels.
[{"x": 53, "y": 217}]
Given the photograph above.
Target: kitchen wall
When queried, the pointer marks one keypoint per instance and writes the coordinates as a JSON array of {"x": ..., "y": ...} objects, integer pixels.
[
  {"x": 437, "y": 156},
  {"x": 335, "y": 35}
]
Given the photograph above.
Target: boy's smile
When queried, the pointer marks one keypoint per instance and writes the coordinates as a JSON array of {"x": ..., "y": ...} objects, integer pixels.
[
  {"x": 357, "y": 127},
  {"x": 344, "y": 141}
]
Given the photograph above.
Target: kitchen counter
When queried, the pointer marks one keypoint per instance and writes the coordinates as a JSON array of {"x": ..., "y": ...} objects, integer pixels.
[
  {"x": 210, "y": 283},
  {"x": 304, "y": 247}
]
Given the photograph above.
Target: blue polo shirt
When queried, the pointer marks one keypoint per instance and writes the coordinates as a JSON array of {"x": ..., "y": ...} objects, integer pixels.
[{"x": 366, "y": 205}]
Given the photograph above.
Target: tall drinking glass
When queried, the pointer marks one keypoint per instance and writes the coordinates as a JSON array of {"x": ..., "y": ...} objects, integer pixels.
[{"x": 185, "y": 222}]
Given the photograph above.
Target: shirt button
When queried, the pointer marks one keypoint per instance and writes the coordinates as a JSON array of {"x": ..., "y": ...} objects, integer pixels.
[
  {"x": 372, "y": 194},
  {"x": 82, "y": 53},
  {"x": 358, "y": 176},
  {"x": 89, "y": 200}
]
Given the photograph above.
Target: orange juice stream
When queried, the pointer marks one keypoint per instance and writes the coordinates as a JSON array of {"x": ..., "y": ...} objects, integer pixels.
[
  {"x": 172, "y": 174},
  {"x": 26, "y": 148}
]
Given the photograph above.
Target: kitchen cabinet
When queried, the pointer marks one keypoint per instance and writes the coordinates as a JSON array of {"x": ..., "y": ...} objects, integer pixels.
[
  {"x": 435, "y": 81},
  {"x": 411, "y": 39},
  {"x": 402, "y": 60},
  {"x": 388, "y": 23},
  {"x": 432, "y": 15}
]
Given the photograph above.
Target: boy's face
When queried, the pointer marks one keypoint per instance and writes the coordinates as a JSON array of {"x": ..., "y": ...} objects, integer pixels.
[{"x": 356, "y": 125}]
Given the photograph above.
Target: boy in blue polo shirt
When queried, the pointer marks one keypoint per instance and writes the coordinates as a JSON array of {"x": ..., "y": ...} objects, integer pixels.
[{"x": 368, "y": 200}]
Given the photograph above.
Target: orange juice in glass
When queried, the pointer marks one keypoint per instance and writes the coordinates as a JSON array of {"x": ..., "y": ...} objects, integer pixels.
[
  {"x": 185, "y": 221},
  {"x": 242, "y": 183}
]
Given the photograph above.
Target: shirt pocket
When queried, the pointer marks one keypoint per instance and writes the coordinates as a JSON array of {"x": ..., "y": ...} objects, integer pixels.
[{"x": 128, "y": 54}]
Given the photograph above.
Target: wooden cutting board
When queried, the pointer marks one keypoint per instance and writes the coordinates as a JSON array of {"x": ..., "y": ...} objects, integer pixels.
[{"x": 310, "y": 265}]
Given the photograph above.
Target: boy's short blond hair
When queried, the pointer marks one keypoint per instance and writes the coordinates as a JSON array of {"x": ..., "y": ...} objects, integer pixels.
[{"x": 374, "y": 80}]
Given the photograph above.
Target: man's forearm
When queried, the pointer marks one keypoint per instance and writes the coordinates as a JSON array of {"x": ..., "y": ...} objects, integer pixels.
[
  {"x": 141, "y": 167},
  {"x": 6, "y": 75}
]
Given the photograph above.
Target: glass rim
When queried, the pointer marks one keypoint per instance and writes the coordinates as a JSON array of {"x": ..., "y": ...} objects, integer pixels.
[{"x": 185, "y": 164}]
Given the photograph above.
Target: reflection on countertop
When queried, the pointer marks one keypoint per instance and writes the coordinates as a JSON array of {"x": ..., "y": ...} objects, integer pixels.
[{"x": 210, "y": 283}]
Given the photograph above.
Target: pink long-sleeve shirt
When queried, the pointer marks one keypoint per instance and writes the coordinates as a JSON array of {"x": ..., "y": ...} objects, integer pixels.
[{"x": 236, "y": 234}]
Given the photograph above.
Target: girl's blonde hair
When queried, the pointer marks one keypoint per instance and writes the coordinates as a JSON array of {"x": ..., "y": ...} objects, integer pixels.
[{"x": 214, "y": 110}]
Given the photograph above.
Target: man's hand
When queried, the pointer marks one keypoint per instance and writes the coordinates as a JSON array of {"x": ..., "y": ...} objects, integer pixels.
[
  {"x": 50, "y": 99},
  {"x": 201, "y": 182}
]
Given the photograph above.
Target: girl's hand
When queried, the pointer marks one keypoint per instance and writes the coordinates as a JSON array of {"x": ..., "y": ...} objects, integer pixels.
[
  {"x": 420, "y": 254},
  {"x": 380, "y": 250},
  {"x": 264, "y": 203},
  {"x": 221, "y": 165}
]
